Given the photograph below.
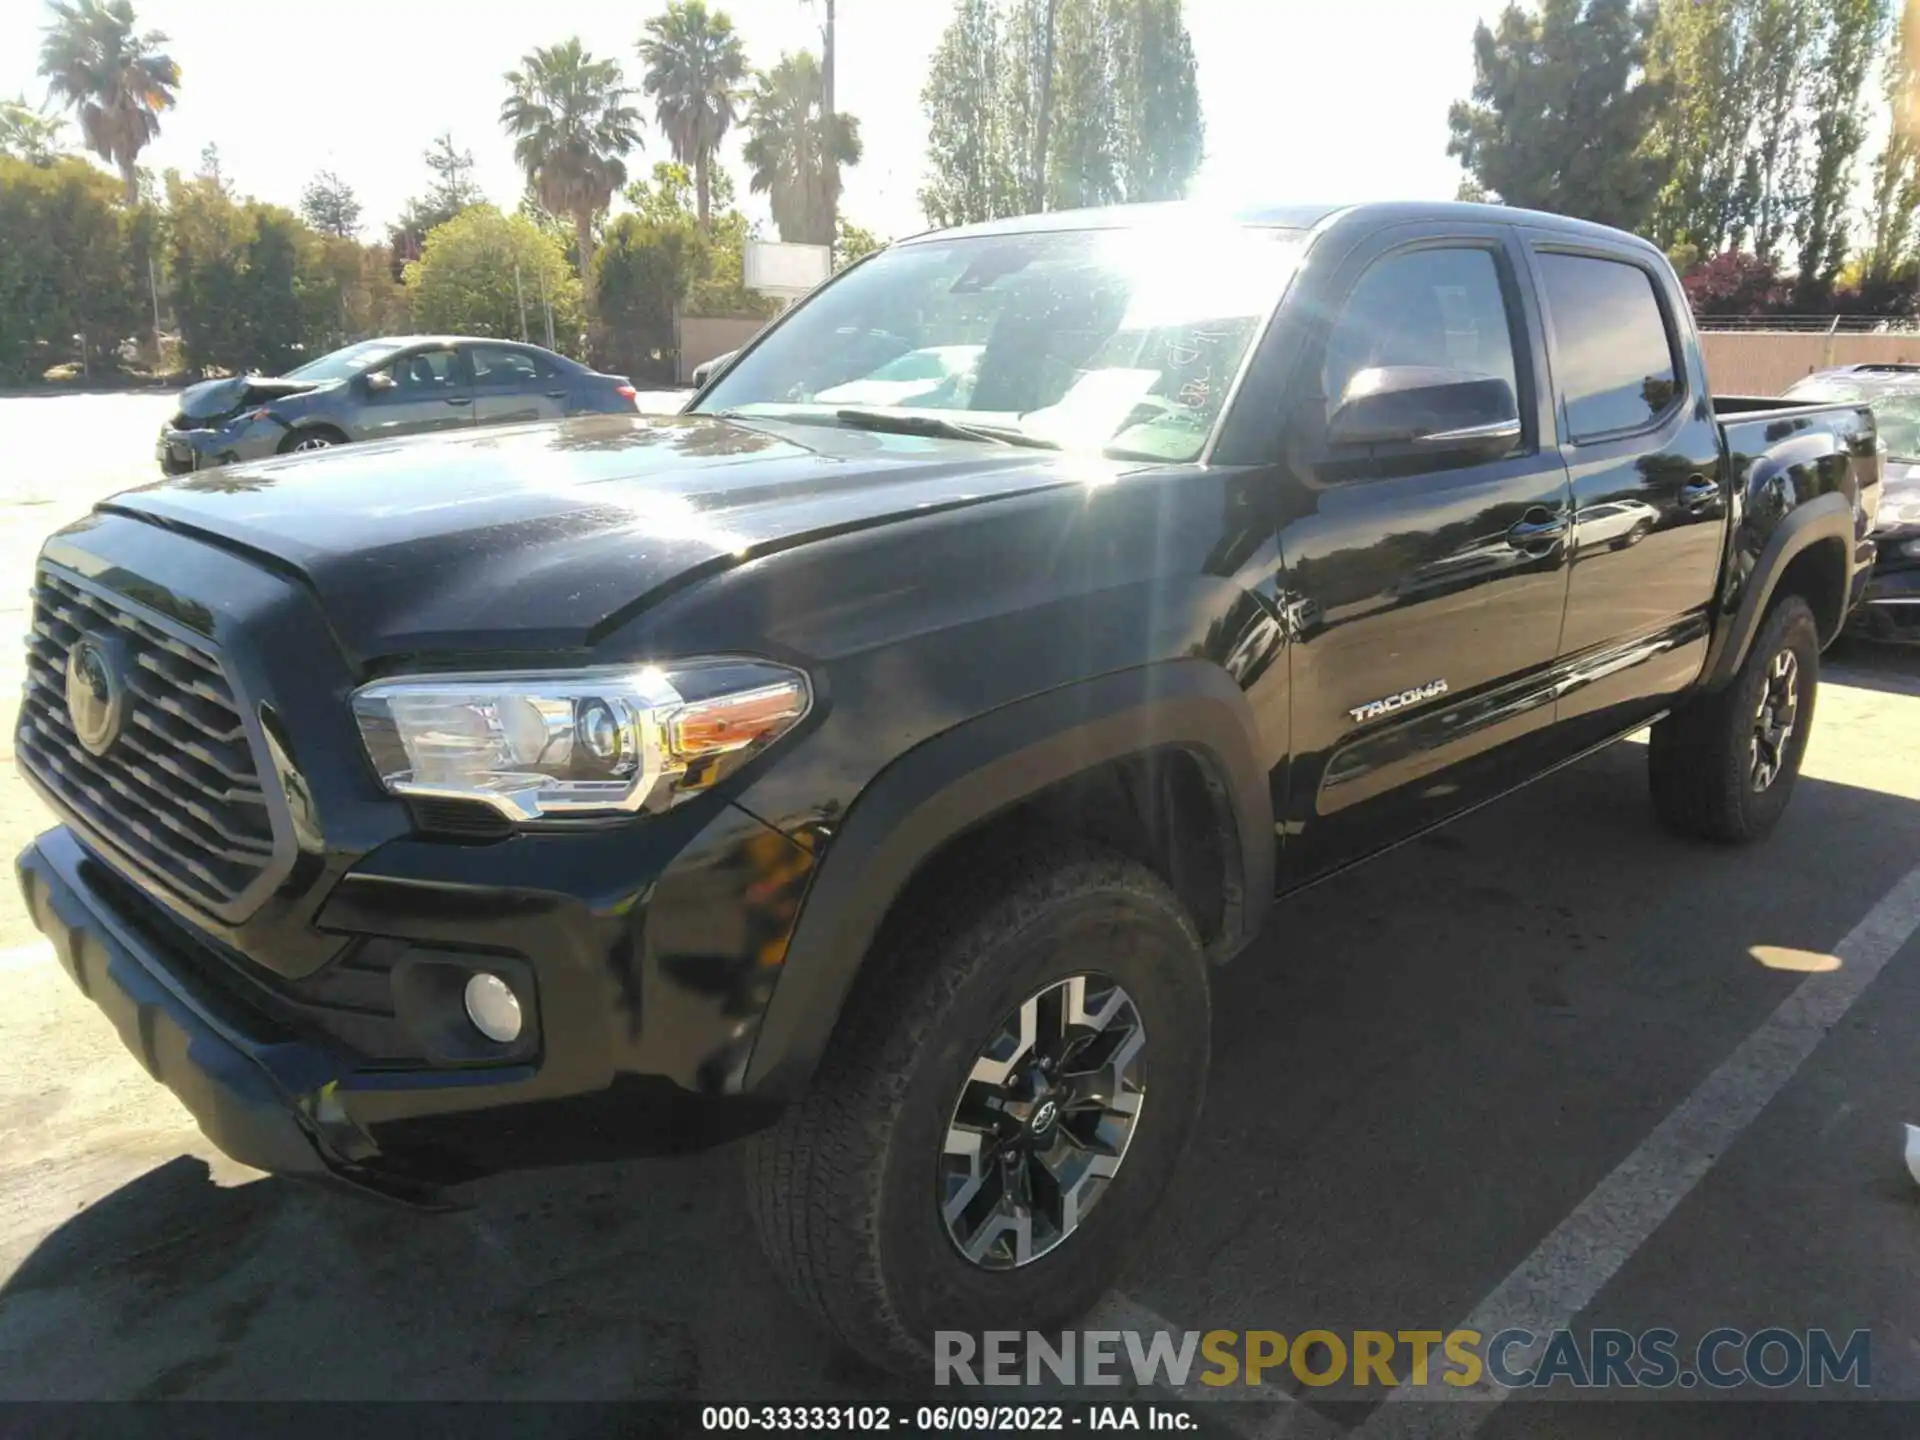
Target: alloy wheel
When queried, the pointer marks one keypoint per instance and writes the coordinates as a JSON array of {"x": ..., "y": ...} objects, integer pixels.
[
  {"x": 1043, "y": 1121},
  {"x": 312, "y": 442},
  {"x": 1774, "y": 719}
]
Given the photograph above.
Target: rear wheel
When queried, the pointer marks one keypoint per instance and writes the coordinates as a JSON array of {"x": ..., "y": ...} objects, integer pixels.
[
  {"x": 1723, "y": 768},
  {"x": 1005, "y": 1101}
]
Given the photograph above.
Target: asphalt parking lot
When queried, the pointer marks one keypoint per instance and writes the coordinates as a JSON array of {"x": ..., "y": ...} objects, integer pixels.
[{"x": 1547, "y": 1063}]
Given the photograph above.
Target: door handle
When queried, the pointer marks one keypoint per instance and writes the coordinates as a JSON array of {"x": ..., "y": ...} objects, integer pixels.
[
  {"x": 458, "y": 400},
  {"x": 1531, "y": 533},
  {"x": 1699, "y": 491},
  {"x": 556, "y": 394}
]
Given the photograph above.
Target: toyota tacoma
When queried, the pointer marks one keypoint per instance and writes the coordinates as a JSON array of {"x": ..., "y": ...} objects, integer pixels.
[{"x": 878, "y": 782}]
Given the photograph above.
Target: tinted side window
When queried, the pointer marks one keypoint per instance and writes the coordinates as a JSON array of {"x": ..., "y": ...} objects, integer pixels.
[
  {"x": 1612, "y": 358},
  {"x": 424, "y": 371},
  {"x": 1443, "y": 308},
  {"x": 497, "y": 366}
]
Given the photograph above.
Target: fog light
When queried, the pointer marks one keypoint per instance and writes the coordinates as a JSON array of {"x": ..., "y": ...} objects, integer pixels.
[{"x": 493, "y": 1008}]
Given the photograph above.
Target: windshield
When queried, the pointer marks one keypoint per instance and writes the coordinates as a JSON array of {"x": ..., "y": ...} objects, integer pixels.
[
  {"x": 342, "y": 363},
  {"x": 1896, "y": 406},
  {"x": 1118, "y": 340}
]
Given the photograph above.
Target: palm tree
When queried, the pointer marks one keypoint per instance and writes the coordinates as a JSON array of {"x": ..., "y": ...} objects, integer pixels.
[
  {"x": 828, "y": 52},
  {"x": 798, "y": 148},
  {"x": 118, "y": 81},
  {"x": 695, "y": 66},
  {"x": 573, "y": 128}
]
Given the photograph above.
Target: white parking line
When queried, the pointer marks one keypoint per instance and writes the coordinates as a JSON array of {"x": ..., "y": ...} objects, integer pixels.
[
  {"x": 22, "y": 957},
  {"x": 1283, "y": 1419},
  {"x": 1560, "y": 1279}
]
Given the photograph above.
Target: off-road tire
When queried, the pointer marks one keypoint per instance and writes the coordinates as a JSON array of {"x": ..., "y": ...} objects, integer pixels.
[
  {"x": 844, "y": 1189},
  {"x": 1700, "y": 758}
]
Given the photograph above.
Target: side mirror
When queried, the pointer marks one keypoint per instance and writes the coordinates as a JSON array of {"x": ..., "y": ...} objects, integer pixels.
[
  {"x": 379, "y": 382},
  {"x": 710, "y": 370},
  {"x": 1445, "y": 412}
]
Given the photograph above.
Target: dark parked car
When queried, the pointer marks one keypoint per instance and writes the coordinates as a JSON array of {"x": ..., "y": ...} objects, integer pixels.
[
  {"x": 406, "y": 385},
  {"x": 1890, "y": 608},
  {"x": 885, "y": 780}
]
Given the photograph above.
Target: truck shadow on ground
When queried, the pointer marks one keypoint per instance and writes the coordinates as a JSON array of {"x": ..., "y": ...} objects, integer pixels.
[
  {"x": 1458, "y": 1040},
  {"x": 1890, "y": 669}
]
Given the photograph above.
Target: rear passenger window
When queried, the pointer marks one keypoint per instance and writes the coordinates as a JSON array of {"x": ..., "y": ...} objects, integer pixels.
[
  {"x": 1612, "y": 358},
  {"x": 1439, "y": 308}
]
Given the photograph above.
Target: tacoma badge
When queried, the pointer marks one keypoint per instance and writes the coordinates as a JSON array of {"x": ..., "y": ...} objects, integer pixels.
[{"x": 1374, "y": 709}]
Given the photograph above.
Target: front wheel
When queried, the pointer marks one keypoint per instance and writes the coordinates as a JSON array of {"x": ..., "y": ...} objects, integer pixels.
[
  {"x": 301, "y": 442},
  {"x": 1005, "y": 1101},
  {"x": 1723, "y": 767}
]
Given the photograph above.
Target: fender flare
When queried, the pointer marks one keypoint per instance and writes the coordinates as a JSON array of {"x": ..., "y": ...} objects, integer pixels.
[
  {"x": 1825, "y": 517},
  {"x": 982, "y": 767}
]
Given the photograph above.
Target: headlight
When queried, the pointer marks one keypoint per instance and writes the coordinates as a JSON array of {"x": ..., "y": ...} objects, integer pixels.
[{"x": 582, "y": 742}]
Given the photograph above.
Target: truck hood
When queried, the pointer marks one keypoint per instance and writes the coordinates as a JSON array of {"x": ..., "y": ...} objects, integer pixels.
[
  {"x": 211, "y": 398},
  {"x": 530, "y": 537}
]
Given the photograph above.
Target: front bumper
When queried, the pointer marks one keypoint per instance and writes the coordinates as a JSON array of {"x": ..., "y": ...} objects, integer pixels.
[
  {"x": 181, "y": 452},
  {"x": 1888, "y": 608},
  {"x": 255, "y": 1099},
  {"x": 639, "y": 1046}
]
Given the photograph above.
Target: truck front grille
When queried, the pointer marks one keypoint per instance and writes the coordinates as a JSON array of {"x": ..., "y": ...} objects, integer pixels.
[{"x": 177, "y": 795}]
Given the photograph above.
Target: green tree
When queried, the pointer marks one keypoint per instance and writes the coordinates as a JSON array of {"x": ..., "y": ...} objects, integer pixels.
[
  {"x": 29, "y": 134},
  {"x": 970, "y": 155},
  {"x": 275, "y": 271},
  {"x": 465, "y": 279},
  {"x": 207, "y": 244},
  {"x": 854, "y": 243},
  {"x": 66, "y": 265},
  {"x": 1561, "y": 111},
  {"x": 1783, "y": 36},
  {"x": 1037, "y": 104},
  {"x": 1083, "y": 158},
  {"x": 451, "y": 192},
  {"x": 1896, "y": 173},
  {"x": 696, "y": 65},
  {"x": 118, "y": 81},
  {"x": 348, "y": 292},
  {"x": 798, "y": 149},
  {"x": 1701, "y": 57},
  {"x": 667, "y": 200},
  {"x": 329, "y": 205},
  {"x": 573, "y": 129},
  {"x": 1162, "y": 132},
  {"x": 244, "y": 278},
  {"x": 645, "y": 268},
  {"x": 1851, "y": 33}
]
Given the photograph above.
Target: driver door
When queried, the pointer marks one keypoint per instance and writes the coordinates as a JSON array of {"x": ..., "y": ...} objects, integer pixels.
[
  {"x": 424, "y": 390},
  {"x": 1433, "y": 583}
]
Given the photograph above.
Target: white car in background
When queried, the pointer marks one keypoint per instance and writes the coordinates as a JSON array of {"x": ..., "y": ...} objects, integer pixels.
[{"x": 1618, "y": 523}]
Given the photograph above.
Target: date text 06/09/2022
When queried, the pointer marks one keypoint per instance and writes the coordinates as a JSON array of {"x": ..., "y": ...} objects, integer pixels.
[{"x": 944, "y": 1419}]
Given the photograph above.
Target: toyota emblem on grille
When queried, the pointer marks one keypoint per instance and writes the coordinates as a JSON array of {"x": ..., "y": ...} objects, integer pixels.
[{"x": 96, "y": 694}]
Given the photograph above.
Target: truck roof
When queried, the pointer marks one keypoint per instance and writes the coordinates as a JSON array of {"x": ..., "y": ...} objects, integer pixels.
[{"x": 1272, "y": 216}]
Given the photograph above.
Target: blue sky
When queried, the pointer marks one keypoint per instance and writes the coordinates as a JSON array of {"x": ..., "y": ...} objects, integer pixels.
[{"x": 1304, "y": 99}]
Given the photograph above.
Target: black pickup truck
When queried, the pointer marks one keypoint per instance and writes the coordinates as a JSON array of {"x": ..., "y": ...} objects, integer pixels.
[{"x": 873, "y": 760}]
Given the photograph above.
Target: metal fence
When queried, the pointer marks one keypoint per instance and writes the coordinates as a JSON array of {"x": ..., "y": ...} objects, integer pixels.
[{"x": 1812, "y": 324}]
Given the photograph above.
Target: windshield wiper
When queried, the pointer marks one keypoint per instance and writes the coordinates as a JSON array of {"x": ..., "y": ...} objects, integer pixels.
[{"x": 939, "y": 427}]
